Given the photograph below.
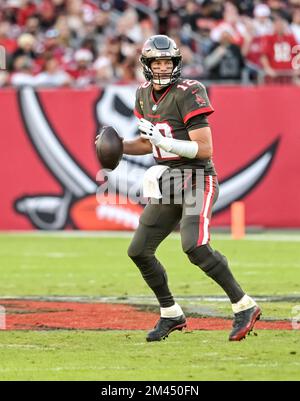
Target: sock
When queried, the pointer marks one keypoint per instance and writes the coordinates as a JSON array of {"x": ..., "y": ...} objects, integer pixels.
[
  {"x": 243, "y": 304},
  {"x": 172, "y": 311}
]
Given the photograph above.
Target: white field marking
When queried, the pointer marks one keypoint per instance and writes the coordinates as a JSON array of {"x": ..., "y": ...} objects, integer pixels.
[
  {"x": 231, "y": 358},
  {"x": 67, "y": 285},
  {"x": 66, "y": 369},
  {"x": 68, "y": 234},
  {"x": 28, "y": 346},
  {"x": 253, "y": 237},
  {"x": 265, "y": 364},
  {"x": 265, "y": 264},
  {"x": 291, "y": 297},
  {"x": 271, "y": 364},
  {"x": 284, "y": 236},
  {"x": 59, "y": 255},
  {"x": 56, "y": 255}
]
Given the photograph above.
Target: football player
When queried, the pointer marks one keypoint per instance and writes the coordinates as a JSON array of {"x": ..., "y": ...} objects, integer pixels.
[{"x": 173, "y": 123}]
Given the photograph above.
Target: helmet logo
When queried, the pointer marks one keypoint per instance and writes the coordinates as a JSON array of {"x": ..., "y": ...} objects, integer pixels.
[{"x": 163, "y": 54}]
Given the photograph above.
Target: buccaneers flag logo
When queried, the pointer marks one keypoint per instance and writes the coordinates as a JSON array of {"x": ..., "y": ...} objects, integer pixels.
[{"x": 76, "y": 203}]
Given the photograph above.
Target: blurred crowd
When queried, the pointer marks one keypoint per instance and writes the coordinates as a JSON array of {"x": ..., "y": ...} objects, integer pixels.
[{"x": 53, "y": 43}]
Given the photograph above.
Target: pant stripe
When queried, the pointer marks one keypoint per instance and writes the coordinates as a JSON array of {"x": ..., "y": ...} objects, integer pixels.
[{"x": 205, "y": 212}]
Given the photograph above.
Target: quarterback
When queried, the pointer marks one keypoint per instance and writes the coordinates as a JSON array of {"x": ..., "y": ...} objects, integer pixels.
[{"x": 173, "y": 123}]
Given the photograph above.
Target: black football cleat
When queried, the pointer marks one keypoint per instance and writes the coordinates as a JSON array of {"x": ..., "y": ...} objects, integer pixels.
[
  {"x": 244, "y": 322},
  {"x": 165, "y": 326}
]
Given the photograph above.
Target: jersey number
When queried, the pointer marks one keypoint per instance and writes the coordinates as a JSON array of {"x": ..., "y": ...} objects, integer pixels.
[
  {"x": 166, "y": 131},
  {"x": 282, "y": 52},
  {"x": 187, "y": 83}
]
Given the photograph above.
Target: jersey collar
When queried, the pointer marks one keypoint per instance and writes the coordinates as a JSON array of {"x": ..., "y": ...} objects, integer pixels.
[{"x": 156, "y": 103}]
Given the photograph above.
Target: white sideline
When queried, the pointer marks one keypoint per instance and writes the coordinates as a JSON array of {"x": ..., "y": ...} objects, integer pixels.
[
  {"x": 137, "y": 299},
  {"x": 285, "y": 236}
]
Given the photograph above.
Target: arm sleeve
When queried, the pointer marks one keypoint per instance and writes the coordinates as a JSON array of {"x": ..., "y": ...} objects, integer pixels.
[
  {"x": 193, "y": 101},
  {"x": 138, "y": 112}
]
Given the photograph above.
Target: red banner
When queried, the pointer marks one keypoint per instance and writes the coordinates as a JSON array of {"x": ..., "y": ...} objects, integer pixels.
[
  {"x": 48, "y": 164},
  {"x": 247, "y": 121}
]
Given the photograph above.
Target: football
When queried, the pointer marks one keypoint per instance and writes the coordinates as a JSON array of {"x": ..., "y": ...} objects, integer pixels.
[{"x": 109, "y": 148}]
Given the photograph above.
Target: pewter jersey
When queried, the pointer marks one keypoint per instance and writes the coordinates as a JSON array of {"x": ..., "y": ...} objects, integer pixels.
[{"x": 171, "y": 113}]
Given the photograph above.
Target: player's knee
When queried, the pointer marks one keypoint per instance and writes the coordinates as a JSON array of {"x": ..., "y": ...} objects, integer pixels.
[
  {"x": 206, "y": 258},
  {"x": 134, "y": 251},
  {"x": 138, "y": 254},
  {"x": 200, "y": 255}
]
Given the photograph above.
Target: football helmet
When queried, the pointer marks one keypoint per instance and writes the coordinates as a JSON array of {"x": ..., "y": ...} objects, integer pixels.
[{"x": 161, "y": 47}]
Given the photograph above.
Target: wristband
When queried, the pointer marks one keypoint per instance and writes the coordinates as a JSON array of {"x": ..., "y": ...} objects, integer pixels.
[{"x": 183, "y": 148}]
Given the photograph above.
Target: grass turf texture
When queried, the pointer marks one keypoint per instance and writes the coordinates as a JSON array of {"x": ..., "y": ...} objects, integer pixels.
[
  {"x": 200, "y": 355},
  {"x": 32, "y": 265},
  {"x": 61, "y": 265}
]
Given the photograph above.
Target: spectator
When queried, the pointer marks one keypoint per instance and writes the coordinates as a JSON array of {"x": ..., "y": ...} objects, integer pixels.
[
  {"x": 6, "y": 40},
  {"x": 225, "y": 61},
  {"x": 262, "y": 21},
  {"x": 47, "y": 15},
  {"x": 232, "y": 23},
  {"x": 295, "y": 26},
  {"x": 103, "y": 21},
  {"x": 75, "y": 18},
  {"x": 32, "y": 26},
  {"x": 163, "y": 11},
  {"x": 28, "y": 9},
  {"x": 61, "y": 27},
  {"x": 23, "y": 74},
  {"x": 212, "y": 9},
  {"x": 62, "y": 31},
  {"x": 277, "y": 52},
  {"x": 11, "y": 11},
  {"x": 26, "y": 47},
  {"x": 104, "y": 64},
  {"x": 128, "y": 71},
  {"x": 51, "y": 47},
  {"x": 82, "y": 70},
  {"x": 190, "y": 15},
  {"x": 252, "y": 51},
  {"x": 277, "y": 5},
  {"x": 128, "y": 26},
  {"x": 245, "y": 7},
  {"x": 52, "y": 43},
  {"x": 53, "y": 75}
]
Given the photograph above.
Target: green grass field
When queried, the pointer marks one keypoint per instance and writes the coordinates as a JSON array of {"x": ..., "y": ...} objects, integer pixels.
[{"x": 96, "y": 266}]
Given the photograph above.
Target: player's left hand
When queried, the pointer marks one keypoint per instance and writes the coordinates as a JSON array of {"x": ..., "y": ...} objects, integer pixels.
[{"x": 150, "y": 131}]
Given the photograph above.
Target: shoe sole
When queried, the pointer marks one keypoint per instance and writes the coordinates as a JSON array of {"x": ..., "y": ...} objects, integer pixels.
[
  {"x": 242, "y": 334},
  {"x": 178, "y": 327}
]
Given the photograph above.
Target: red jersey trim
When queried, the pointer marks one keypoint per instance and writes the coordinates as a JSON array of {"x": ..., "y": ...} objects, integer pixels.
[
  {"x": 205, "y": 110},
  {"x": 137, "y": 114},
  {"x": 205, "y": 215},
  {"x": 153, "y": 116},
  {"x": 162, "y": 96}
]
